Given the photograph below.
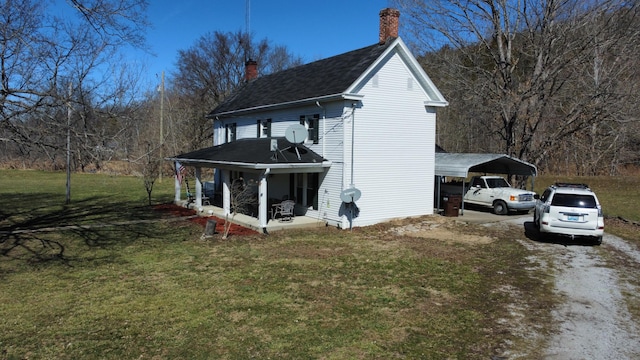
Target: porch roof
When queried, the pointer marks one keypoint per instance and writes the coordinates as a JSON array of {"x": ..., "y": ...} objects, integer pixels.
[{"x": 256, "y": 154}]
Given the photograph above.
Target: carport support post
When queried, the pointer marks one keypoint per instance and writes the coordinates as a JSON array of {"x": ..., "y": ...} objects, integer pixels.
[
  {"x": 226, "y": 191},
  {"x": 462, "y": 201}
]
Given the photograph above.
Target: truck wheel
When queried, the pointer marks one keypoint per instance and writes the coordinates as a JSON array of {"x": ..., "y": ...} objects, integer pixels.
[{"x": 500, "y": 207}]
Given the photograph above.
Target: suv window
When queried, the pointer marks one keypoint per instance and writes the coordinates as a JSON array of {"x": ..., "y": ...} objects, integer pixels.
[
  {"x": 545, "y": 195},
  {"x": 574, "y": 200}
]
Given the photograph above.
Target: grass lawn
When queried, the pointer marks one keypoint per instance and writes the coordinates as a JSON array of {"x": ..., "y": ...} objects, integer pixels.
[{"x": 131, "y": 283}]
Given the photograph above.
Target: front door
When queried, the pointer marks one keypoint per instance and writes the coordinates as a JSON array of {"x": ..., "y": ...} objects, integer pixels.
[{"x": 305, "y": 189}]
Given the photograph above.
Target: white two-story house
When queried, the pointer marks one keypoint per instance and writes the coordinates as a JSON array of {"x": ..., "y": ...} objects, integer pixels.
[{"x": 350, "y": 138}]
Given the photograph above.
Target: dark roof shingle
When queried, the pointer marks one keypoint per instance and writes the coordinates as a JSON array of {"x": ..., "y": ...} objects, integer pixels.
[
  {"x": 253, "y": 151},
  {"x": 320, "y": 78}
]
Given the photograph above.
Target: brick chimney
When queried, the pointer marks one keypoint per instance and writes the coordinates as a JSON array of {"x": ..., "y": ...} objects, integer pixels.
[
  {"x": 388, "y": 24},
  {"x": 250, "y": 70}
]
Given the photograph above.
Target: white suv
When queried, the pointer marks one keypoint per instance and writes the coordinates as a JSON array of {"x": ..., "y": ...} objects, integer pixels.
[{"x": 570, "y": 210}]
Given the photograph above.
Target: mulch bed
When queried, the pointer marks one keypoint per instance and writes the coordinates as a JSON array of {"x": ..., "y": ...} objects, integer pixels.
[{"x": 179, "y": 211}]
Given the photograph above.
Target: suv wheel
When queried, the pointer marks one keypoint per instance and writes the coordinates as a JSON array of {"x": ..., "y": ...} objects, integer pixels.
[
  {"x": 500, "y": 207},
  {"x": 599, "y": 240}
]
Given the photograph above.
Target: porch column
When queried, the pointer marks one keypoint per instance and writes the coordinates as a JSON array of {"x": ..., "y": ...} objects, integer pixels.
[
  {"x": 226, "y": 191},
  {"x": 177, "y": 186},
  {"x": 198, "y": 187},
  {"x": 263, "y": 201}
]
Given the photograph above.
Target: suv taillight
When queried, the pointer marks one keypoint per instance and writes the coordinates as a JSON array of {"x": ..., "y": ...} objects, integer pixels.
[
  {"x": 546, "y": 209},
  {"x": 599, "y": 210}
]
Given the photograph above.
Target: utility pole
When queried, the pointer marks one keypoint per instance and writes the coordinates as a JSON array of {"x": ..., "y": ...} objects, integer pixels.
[
  {"x": 161, "y": 120},
  {"x": 68, "y": 199}
]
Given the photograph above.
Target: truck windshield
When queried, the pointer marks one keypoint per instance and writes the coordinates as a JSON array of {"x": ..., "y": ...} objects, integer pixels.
[{"x": 497, "y": 183}]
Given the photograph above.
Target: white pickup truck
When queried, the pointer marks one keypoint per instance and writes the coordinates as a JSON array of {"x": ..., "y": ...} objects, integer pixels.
[{"x": 494, "y": 192}]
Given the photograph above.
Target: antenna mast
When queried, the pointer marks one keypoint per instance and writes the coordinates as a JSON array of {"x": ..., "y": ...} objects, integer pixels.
[
  {"x": 247, "y": 17},
  {"x": 247, "y": 29}
]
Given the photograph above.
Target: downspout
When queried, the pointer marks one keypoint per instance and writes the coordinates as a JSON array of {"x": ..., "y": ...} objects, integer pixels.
[
  {"x": 353, "y": 129},
  {"x": 324, "y": 118}
]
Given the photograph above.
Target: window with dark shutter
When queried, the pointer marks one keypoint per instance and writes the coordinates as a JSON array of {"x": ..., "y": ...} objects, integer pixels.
[
  {"x": 230, "y": 132},
  {"x": 311, "y": 123},
  {"x": 314, "y": 124},
  {"x": 266, "y": 129}
]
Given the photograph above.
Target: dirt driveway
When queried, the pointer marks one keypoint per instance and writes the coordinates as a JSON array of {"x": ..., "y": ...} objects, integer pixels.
[{"x": 598, "y": 284}]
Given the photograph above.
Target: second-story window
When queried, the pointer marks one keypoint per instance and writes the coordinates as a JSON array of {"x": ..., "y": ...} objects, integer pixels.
[
  {"x": 264, "y": 128},
  {"x": 230, "y": 132},
  {"x": 312, "y": 123}
]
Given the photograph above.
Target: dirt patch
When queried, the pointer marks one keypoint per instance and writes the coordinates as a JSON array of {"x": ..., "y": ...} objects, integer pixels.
[
  {"x": 179, "y": 211},
  {"x": 440, "y": 228}
]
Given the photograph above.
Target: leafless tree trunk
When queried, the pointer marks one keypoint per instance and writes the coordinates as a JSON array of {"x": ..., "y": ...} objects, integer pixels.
[
  {"x": 243, "y": 196},
  {"x": 530, "y": 74},
  {"x": 209, "y": 71},
  {"x": 150, "y": 171},
  {"x": 40, "y": 54}
]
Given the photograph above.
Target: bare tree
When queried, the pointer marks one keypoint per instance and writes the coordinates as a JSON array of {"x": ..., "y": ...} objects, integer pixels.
[
  {"x": 150, "y": 167},
  {"x": 40, "y": 54},
  {"x": 243, "y": 197},
  {"x": 210, "y": 70},
  {"x": 517, "y": 69}
]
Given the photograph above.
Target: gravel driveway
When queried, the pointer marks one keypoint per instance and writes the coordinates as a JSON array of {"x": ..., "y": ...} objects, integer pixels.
[{"x": 593, "y": 322}]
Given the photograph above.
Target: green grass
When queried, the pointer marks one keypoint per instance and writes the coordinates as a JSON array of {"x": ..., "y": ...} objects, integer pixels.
[{"x": 155, "y": 290}]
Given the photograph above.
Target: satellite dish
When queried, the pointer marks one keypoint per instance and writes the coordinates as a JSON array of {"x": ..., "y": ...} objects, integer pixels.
[
  {"x": 296, "y": 133},
  {"x": 350, "y": 195}
]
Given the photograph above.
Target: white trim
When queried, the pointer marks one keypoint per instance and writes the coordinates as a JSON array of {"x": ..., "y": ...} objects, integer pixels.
[
  {"x": 436, "y": 103},
  {"x": 423, "y": 79},
  {"x": 319, "y": 166},
  {"x": 340, "y": 96}
]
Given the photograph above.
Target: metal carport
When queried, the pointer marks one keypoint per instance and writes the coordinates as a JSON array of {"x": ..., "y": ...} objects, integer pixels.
[{"x": 461, "y": 164}]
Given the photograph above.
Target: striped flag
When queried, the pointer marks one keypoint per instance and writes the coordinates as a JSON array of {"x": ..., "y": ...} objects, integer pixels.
[{"x": 179, "y": 171}]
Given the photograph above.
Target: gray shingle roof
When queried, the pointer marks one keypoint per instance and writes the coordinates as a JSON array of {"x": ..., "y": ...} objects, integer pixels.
[
  {"x": 252, "y": 151},
  {"x": 325, "y": 77}
]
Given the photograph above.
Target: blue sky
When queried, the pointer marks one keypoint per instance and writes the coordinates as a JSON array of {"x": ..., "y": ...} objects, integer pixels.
[{"x": 310, "y": 29}]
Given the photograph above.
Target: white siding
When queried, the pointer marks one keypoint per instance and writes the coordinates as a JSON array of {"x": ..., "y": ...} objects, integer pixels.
[
  {"x": 332, "y": 184},
  {"x": 394, "y": 148},
  {"x": 330, "y": 146}
]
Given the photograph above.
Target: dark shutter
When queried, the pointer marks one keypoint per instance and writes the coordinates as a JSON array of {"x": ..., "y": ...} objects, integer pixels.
[{"x": 315, "y": 131}]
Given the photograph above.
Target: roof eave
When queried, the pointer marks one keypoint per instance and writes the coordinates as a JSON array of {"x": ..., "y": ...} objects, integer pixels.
[
  {"x": 436, "y": 103},
  {"x": 288, "y": 104},
  {"x": 253, "y": 166},
  {"x": 430, "y": 88}
]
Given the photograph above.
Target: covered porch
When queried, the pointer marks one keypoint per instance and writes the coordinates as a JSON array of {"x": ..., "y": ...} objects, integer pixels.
[
  {"x": 251, "y": 222},
  {"x": 252, "y": 176}
]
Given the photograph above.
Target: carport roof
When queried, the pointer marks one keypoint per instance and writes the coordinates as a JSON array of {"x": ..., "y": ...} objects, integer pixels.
[{"x": 460, "y": 164}]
